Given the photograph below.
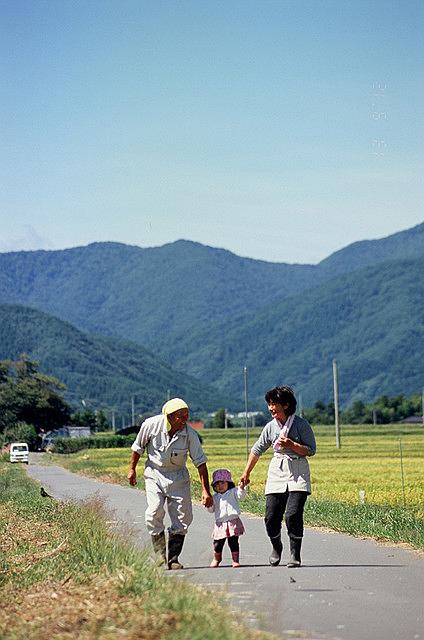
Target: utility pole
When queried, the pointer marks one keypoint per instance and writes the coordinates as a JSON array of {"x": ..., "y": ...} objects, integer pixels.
[
  {"x": 336, "y": 403},
  {"x": 225, "y": 419},
  {"x": 300, "y": 405},
  {"x": 132, "y": 411},
  {"x": 113, "y": 420},
  {"x": 245, "y": 412},
  {"x": 422, "y": 404}
]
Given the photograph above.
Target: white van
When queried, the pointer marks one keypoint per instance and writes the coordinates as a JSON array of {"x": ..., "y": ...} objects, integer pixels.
[{"x": 19, "y": 452}]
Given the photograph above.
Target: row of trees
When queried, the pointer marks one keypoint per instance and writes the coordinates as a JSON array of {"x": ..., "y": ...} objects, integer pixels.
[
  {"x": 32, "y": 403},
  {"x": 383, "y": 411}
]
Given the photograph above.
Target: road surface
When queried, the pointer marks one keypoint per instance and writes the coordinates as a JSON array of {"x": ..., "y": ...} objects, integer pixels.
[{"x": 346, "y": 589}]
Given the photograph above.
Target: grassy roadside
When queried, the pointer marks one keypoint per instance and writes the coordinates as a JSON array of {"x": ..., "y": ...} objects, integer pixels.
[
  {"x": 383, "y": 523},
  {"x": 64, "y": 575}
]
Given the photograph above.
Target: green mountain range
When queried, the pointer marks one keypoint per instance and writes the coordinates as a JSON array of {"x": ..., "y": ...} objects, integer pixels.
[
  {"x": 371, "y": 322},
  {"x": 209, "y": 312},
  {"x": 101, "y": 371}
]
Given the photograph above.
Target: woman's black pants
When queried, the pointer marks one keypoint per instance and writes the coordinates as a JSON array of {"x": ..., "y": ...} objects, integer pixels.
[{"x": 290, "y": 503}]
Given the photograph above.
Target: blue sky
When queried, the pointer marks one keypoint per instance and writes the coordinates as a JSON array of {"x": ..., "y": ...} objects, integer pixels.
[{"x": 279, "y": 130}]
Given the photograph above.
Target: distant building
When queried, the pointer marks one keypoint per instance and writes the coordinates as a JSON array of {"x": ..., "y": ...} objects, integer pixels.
[
  {"x": 197, "y": 424},
  {"x": 76, "y": 432},
  {"x": 64, "y": 432},
  {"x": 126, "y": 431},
  {"x": 412, "y": 420},
  {"x": 250, "y": 414}
]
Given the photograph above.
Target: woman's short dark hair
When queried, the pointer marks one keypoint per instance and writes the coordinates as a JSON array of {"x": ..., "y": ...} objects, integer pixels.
[{"x": 282, "y": 395}]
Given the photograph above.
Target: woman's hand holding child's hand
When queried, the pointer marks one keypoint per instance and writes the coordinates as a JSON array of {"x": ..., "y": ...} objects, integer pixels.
[
  {"x": 207, "y": 499},
  {"x": 244, "y": 480}
]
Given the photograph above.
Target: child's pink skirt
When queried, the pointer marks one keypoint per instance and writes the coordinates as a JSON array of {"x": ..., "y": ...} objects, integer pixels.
[{"x": 227, "y": 529}]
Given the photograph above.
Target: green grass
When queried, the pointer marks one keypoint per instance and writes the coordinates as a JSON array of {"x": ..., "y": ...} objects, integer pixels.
[
  {"x": 65, "y": 575},
  {"x": 369, "y": 460},
  {"x": 393, "y": 523}
]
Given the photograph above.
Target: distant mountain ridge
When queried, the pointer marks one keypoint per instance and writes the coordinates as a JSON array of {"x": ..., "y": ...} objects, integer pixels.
[
  {"x": 401, "y": 245},
  {"x": 209, "y": 310}
]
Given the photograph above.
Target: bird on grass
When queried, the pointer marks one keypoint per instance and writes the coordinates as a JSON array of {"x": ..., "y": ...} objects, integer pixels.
[{"x": 44, "y": 493}]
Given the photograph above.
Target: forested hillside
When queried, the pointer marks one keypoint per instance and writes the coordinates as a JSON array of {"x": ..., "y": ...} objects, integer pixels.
[
  {"x": 151, "y": 296},
  {"x": 103, "y": 371},
  {"x": 212, "y": 312},
  {"x": 372, "y": 322},
  {"x": 158, "y": 296}
]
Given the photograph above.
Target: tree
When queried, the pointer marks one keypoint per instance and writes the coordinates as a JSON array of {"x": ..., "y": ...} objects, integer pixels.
[
  {"x": 261, "y": 419},
  {"x": 20, "y": 432},
  {"x": 30, "y": 397},
  {"x": 86, "y": 418},
  {"x": 320, "y": 413},
  {"x": 358, "y": 413},
  {"x": 96, "y": 420},
  {"x": 102, "y": 423},
  {"x": 218, "y": 421}
]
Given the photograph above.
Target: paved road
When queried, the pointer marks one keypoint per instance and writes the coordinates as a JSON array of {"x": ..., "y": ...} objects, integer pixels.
[{"x": 347, "y": 588}]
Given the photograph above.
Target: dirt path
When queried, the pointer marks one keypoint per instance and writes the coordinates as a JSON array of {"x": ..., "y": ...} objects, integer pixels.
[{"x": 347, "y": 588}]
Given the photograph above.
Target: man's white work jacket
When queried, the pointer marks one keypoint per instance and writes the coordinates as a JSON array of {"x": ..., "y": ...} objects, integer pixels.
[{"x": 166, "y": 458}]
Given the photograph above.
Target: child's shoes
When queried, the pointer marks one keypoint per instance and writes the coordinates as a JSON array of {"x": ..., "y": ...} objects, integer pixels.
[
  {"x": 235, "y": 555},
  {"x": 217, "y": 557}
]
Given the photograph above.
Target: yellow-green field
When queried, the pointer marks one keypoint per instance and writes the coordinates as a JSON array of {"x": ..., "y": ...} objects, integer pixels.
[{"x": 369, "y": 460}]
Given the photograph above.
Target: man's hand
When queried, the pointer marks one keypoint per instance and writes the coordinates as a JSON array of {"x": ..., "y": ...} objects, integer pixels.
[
  {"x": 207, "y": 499},
  {"x": 244, "y": 480},
  {"x": 132, "y": 474}
]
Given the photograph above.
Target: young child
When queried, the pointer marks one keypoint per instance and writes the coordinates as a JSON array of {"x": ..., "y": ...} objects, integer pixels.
[{"x": 226, "y": 508}]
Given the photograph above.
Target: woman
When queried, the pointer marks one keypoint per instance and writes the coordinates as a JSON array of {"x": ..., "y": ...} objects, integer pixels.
[{"x": 288, "y": 483}]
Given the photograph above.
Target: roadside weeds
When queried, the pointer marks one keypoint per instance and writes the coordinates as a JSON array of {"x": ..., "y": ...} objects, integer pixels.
[{"x": 65, "y": 575}]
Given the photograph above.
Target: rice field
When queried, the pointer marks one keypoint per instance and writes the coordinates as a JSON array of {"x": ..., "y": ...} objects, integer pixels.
[{"x": 369, "y": 460}]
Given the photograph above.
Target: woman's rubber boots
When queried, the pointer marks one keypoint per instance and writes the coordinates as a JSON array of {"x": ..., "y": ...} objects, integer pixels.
[
  {"x": 295, "y": 546},
  {"x": 277, "y": 550},
  {"x": 175, "y": 545}
]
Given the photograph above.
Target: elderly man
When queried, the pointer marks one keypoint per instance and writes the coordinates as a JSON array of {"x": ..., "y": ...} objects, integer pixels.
[{"x": 167, "y": 439}]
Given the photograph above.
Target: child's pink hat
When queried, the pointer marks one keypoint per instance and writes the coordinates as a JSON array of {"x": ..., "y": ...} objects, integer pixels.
[{"x": 223, "y": 475}]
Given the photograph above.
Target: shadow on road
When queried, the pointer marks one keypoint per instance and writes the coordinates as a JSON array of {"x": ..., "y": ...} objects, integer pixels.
[
  {"x": 353, "y": 566},
  {"x": 298, "y": 569}
]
